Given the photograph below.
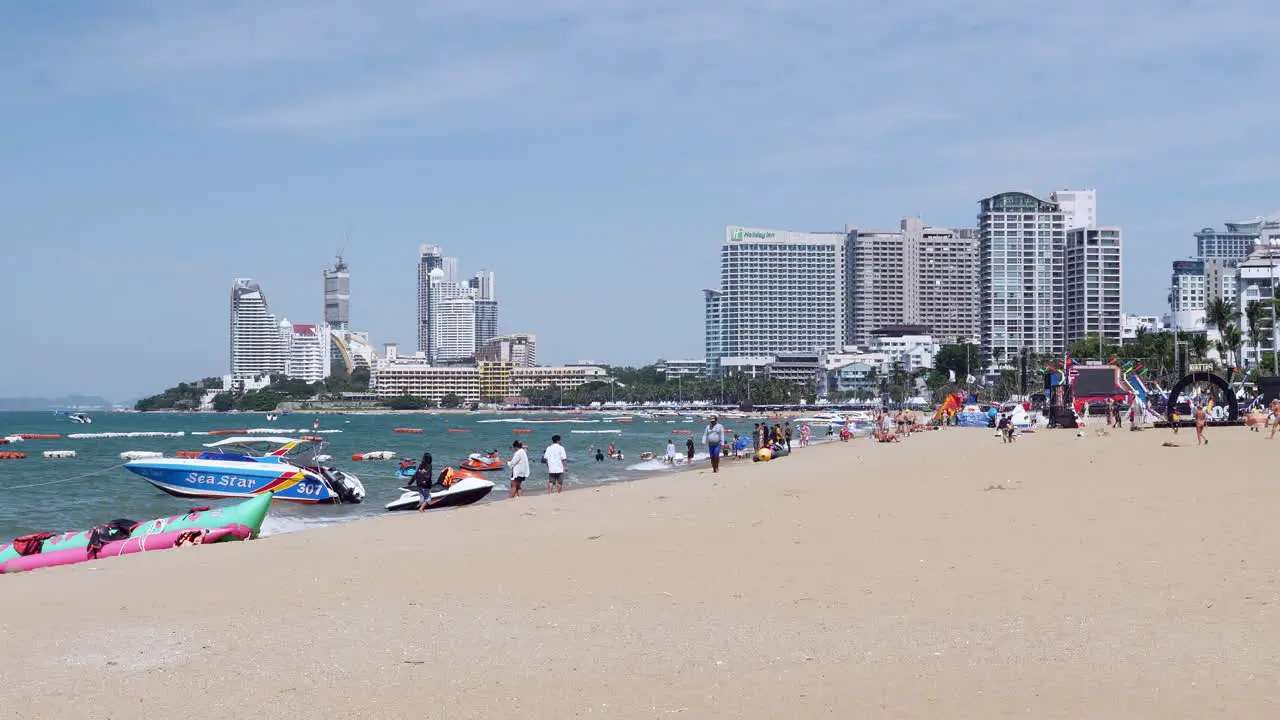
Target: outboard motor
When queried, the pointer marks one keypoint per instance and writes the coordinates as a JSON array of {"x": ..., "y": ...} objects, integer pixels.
[{"x": 347, "y": 486}]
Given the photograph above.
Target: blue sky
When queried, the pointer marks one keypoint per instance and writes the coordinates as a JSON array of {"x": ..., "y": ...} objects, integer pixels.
[{"x": 589, "y": 151}]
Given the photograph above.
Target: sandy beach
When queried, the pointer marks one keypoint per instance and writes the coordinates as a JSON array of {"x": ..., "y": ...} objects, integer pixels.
[{"x": 948, "y": 576}]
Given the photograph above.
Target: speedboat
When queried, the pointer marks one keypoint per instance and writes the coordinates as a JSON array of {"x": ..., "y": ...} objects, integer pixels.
[
  {"x": 829, "y": 419},
  {"x": 467, "y": 488},
  {"x": 75, "y": 417},
  {"x": 249, "y": 466},
  {"x": 482, "y": 462}
]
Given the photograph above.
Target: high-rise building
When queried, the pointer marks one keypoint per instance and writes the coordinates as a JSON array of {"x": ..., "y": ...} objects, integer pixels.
[
  {"x": 947, "y": 275},
  {"x": 337, "y": 296},
  {"x": 915, "y": 275},
  {"x": 450, "y": 267},
  {"x": 454, "y": 333},
  {"x": 306, "y": 348},
  {"x": 453, "y": 320},
  {"x": 1258, "y": 281},
  {"x": 486, "y": 321},
  {"x": 430, "y": 258},
  {"x": 714, "y": 331},
  {"x": 780, "y": 292},
  {"x": 1021, "y": 245},
  {"x": 483, "y": 284},
  {"x": 1230, "y": 245},
  {"x": 519, "y": 349},
  {"x": 1093, "y": 284},
  {"x": 256, "y": 347},
  {"x": 1079, "y": 207},
  {"x": 1187, "y": 295}
]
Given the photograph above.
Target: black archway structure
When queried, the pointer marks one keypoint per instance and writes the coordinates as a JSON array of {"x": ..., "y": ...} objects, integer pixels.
[{"x": 1233, "y": 407}]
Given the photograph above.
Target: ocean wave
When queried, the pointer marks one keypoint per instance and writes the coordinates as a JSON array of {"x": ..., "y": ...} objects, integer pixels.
[
  {"x": 283, "y": 525},
  {"x": 658, "y": 463}
]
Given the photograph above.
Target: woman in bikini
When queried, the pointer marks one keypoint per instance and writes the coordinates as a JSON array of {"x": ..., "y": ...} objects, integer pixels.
[{"x": 1202, "y": 418}]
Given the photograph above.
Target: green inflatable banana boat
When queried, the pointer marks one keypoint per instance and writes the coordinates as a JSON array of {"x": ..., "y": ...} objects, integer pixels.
[{"x": 241, "y": 521}]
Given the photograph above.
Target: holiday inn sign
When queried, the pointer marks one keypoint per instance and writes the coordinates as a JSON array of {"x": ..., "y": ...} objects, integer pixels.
[{"x": 744, "y": 234}]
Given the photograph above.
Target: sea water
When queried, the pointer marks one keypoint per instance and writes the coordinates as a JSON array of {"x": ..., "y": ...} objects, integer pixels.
[{"x": 61, "y": 494}]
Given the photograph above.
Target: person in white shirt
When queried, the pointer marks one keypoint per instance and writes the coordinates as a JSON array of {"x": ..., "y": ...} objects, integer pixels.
[
  {"x": 671, "y": 451},
  {"x": 556, "y": 457},
  {"x": 713, "y": 436},
  {"x": 519, "y": 463}
]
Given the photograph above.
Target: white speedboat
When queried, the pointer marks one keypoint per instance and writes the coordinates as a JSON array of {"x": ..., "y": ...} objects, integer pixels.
[
  {"x": 822, "y": 418},
  {"x": 240, "y": 467}
]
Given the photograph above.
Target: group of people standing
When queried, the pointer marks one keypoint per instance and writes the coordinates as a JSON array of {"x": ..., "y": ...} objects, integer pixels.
[
  {"x": 554, "y": 456},
  {"x": 763, "y": 436}
]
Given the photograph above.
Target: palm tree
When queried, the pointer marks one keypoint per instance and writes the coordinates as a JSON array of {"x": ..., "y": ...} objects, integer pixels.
[
  {"x": 1221, "y": 314},
  {"x": 1198, "y": 344},
  {"x": 1230, "y": 343},
  {"x": 1256, "y": 316}
]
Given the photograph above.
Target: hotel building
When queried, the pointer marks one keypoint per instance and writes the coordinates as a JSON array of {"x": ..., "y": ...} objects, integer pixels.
[
  {"x": 484, "y": 382},
  {"x": 256, "y": 348},
  {"x": 915, "y": 275},
  {"x": 780, "y": 292}
]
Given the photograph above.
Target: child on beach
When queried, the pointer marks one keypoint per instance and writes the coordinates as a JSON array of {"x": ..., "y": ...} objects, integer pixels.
[{"x": 688, "y": 447}]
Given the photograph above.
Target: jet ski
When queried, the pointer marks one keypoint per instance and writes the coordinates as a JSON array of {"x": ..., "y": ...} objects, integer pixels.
[
  {"x": 467, "y": 488},
  {"x": 483, "y": 462}
]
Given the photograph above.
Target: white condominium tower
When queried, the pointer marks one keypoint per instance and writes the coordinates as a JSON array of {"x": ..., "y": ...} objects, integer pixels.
[
  {"x": 1023, "y": 272},
  {"x": 453, "y": 319},
  {"x": 780, "y": 292},
  {"x": 915, "y": 275},
  {"x": 256, "y": 347}
]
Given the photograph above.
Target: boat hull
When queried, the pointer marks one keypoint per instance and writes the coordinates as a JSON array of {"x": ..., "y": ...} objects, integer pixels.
[
  {"x": 481, "y": 467},
  {"x": 196, "y": 478},
  {"x": 464, "y": 492},
  {"x": 240, "y": 520}
]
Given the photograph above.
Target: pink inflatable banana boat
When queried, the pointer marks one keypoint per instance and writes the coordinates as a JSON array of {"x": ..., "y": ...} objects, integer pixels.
[{"x": 127, "y": 546}]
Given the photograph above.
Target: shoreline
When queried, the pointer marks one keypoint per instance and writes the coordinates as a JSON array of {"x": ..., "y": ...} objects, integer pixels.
[{"x": 950, "y": 575}]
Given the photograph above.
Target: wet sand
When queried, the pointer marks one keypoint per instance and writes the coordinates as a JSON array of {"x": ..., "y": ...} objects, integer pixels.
[{"x": 947, "y": 576}]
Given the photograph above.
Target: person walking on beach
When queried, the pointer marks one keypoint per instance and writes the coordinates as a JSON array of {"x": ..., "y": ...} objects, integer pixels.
[
  {"x": 712, "y": 437},
  {"x": 688, "y": 449},
  {"x": 670, "y": 459},
  {"x": 787, "y": 433},
  {"x": 519, "y": 464},
  {"x": 1202, "y": 418},
  {"x": 1274, "y": 420},
  {"x": 805, "y": 432},
  {"x": 755, "y": 437},
  {"x": 422, "y": 481},
  {"x": 556, "y": 458}
]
